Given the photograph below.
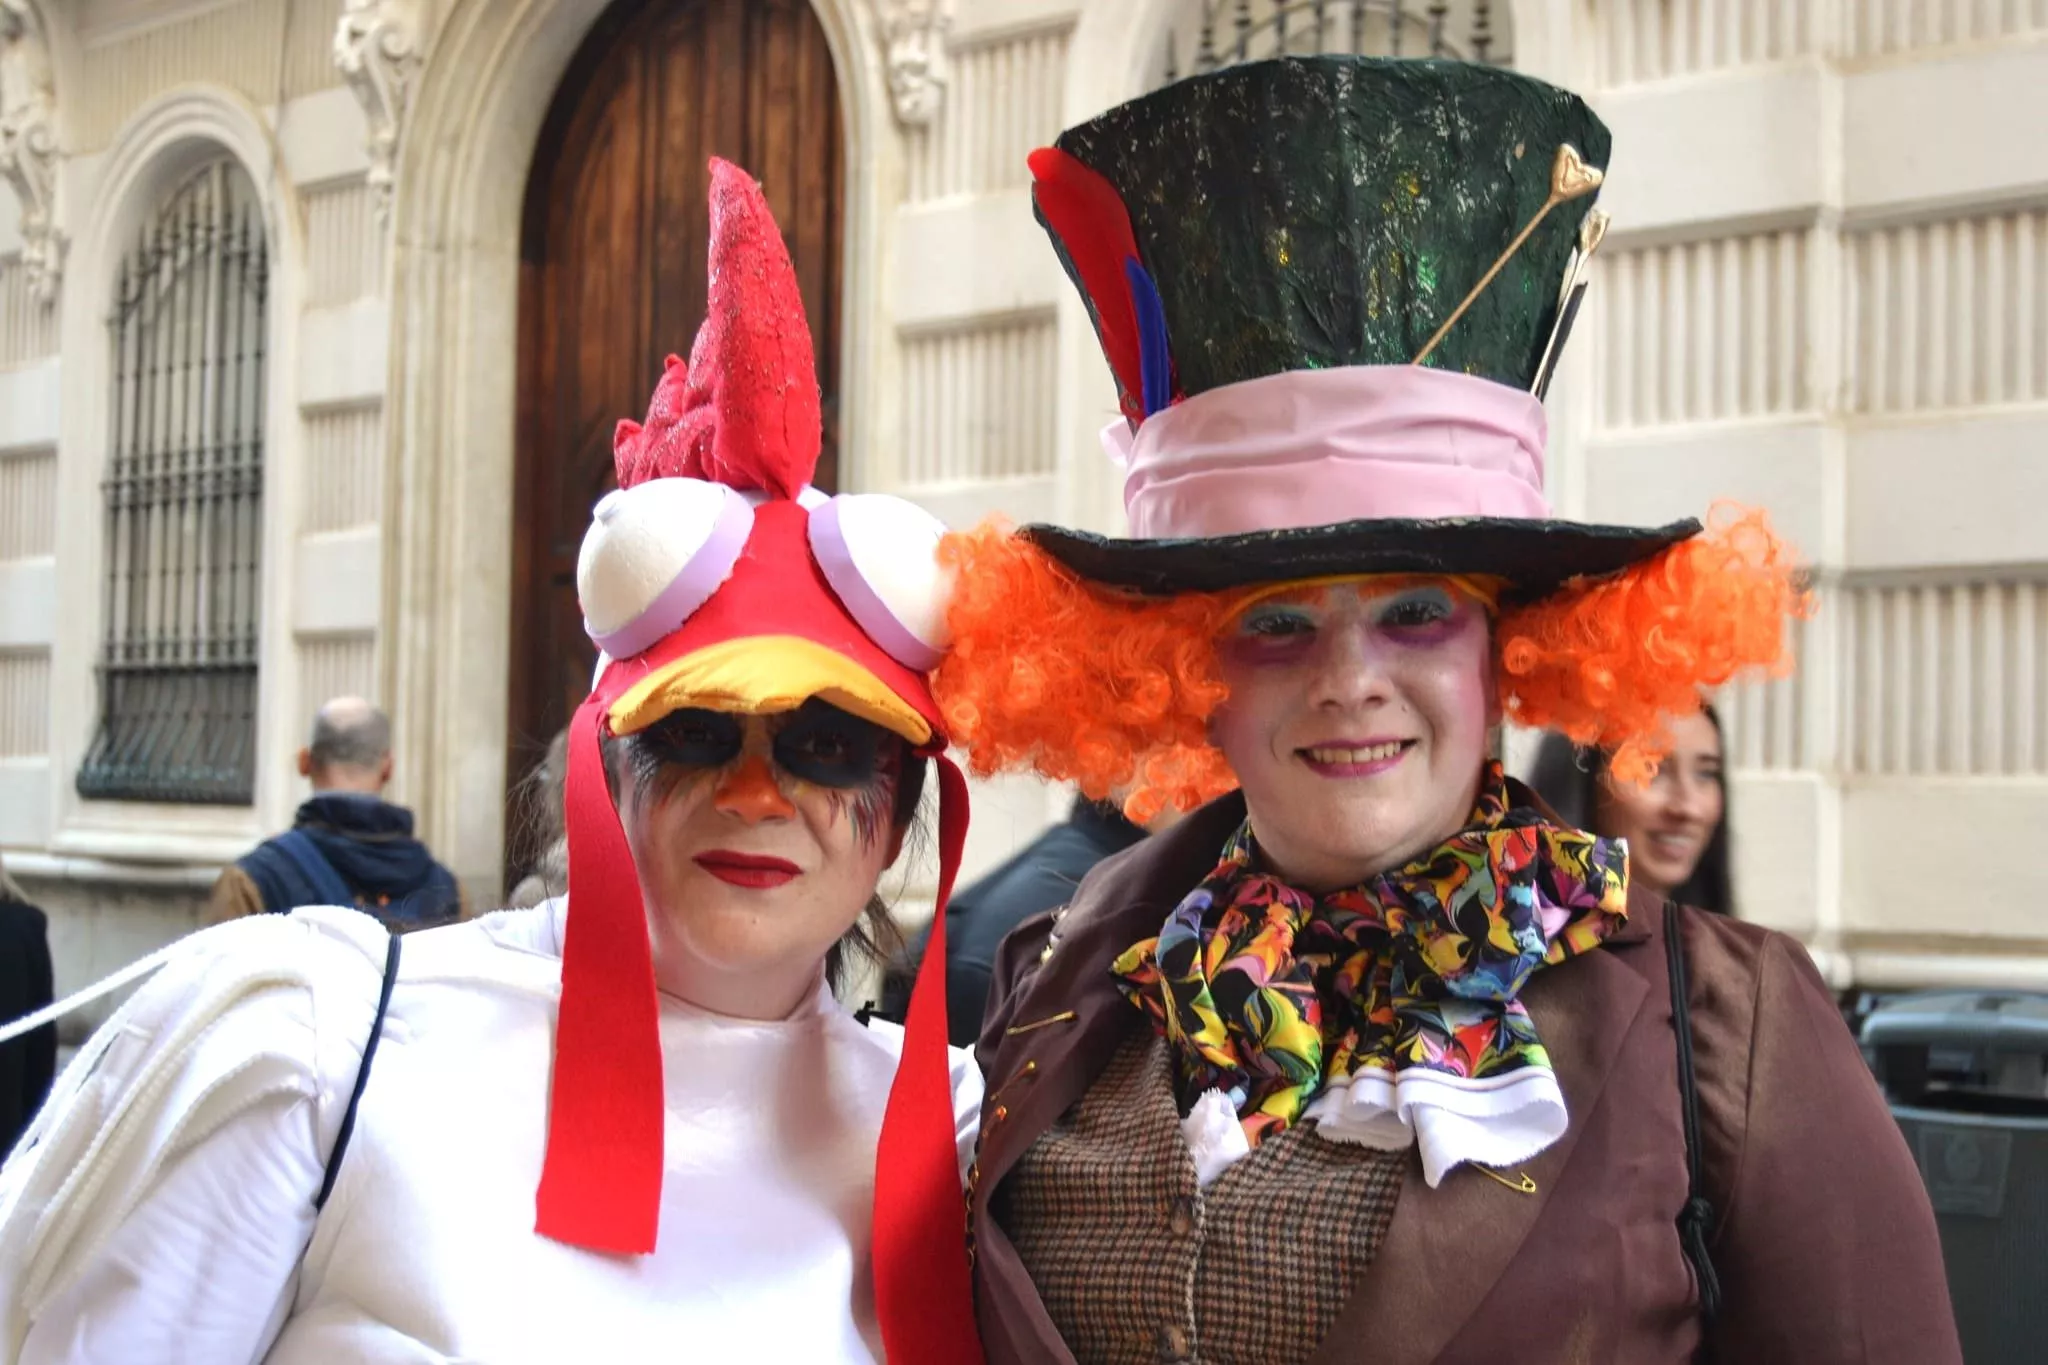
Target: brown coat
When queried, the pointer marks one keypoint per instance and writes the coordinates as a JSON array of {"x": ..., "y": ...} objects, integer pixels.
[{"x": 1825, "y": 1244}]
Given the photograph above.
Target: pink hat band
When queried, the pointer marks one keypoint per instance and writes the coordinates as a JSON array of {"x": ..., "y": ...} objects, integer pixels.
[{"x": 1318, "y": 447}]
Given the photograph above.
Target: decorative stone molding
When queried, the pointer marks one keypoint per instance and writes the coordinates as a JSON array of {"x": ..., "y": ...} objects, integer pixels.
[
  {"x": 377, "y": 49},
  {"x": 28, "y": 142},
  {"x": 914, "y": 44}
]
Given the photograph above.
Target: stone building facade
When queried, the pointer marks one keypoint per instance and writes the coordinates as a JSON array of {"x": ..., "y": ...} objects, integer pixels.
[{"x": 1824, "y": 293}]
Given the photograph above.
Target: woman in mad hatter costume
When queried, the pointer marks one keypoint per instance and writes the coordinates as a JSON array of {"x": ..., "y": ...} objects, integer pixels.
[{"x": 1369, "y": 1058}]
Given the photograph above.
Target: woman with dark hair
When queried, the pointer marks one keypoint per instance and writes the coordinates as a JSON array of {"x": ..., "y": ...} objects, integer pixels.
[
  {"x": 630, "y": 1124},
  {"x": 1675, "y": 825}
]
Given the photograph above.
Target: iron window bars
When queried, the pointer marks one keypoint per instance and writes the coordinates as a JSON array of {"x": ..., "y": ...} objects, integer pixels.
[
  {"x": 184, "y": 503},
  {"x": 1233, "y": 31}
]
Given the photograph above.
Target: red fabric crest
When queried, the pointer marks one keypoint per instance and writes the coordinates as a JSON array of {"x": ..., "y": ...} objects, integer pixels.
[{"x": 745, "y": 410}]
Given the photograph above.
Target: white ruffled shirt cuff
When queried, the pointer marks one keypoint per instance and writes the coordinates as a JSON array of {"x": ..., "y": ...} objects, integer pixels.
[{"x": 1500, "y": 1121}]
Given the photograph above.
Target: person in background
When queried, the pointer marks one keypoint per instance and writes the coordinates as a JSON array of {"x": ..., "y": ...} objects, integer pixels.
[
  {"x": 541, "y": 800},
  {"x": 27, "y": 1065},
  {"x": 348, "y": 845},
  {"x": 1039, "y": 876},
  {"x": 1676, "y": 827}
]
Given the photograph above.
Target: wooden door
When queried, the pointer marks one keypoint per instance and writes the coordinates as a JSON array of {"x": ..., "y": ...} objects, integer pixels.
[{"x": 612, "y": 278}]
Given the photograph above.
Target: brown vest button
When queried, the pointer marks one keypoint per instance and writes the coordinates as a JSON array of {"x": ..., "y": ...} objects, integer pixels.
[
  {"x": 1180, "y": 1217},
  {"x": 1174, "y": 1343}
]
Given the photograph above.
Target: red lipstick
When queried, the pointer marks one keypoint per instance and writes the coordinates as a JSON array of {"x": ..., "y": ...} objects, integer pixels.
[{"x": 750, "y": 870}]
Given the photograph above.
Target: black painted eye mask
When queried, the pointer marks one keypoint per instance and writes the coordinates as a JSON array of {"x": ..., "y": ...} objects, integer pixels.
[{"x": 817, "y": 743}]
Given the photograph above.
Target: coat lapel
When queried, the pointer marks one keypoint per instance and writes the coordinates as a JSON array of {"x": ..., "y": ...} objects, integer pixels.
[
  {"x": 1448, "y": 1246},
  {"x": 1044, "y": 1064},
  {"x": 1042, "y": 1077}
]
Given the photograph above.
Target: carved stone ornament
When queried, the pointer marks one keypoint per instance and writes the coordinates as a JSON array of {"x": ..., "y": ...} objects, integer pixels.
[
  {"x": 914, "y": 42},
  {"x": 28, "y": 142},
  {"x": 377, "y": 50}
]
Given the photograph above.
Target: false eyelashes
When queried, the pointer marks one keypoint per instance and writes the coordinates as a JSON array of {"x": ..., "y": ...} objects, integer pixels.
[
  {"x": 824, "y": 745},
  {"x": 816, "y": 743},
  {"x": 690, "y": 738}
]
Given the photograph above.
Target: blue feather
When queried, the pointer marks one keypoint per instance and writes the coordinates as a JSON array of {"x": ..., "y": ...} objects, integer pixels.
[{"x": 1155, "y": 357}]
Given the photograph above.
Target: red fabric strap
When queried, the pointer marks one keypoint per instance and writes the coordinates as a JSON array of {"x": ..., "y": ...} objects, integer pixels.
[
  {"x": 924, "y": 1290},
  {"x": 600, "y": 1182}
]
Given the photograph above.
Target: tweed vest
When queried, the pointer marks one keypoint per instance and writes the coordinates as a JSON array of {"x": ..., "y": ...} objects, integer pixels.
[{"x": 1134, "y": 1262}]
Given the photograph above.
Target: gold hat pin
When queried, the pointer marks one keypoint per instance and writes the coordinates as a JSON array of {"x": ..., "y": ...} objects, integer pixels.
[{"x": 1570, "y": 178}]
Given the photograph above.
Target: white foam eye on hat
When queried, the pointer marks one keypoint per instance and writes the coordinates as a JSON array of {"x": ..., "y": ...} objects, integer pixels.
[
  {"x": 655, "y": 553},
  {"x": 881, "y": 556}
]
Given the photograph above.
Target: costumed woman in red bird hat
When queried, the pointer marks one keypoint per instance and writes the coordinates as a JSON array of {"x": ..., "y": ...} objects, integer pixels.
[
  {"x": 628, "y": 1126},
  {"x": 1371, "y": 1058}
]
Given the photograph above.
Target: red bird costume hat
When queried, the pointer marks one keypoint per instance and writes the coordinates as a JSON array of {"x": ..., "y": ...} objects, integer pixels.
[{"x": 715, "y": 576}]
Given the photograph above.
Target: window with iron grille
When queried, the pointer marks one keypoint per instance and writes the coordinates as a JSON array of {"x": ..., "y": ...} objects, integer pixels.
[
  {"x": 1217, "y": 33},
  {"x": 184, "y": 503}
]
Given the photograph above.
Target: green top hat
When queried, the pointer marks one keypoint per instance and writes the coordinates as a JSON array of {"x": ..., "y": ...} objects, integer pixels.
[
  {"x": 1332, "y": 291},
  {"x": 1305, "y": 213}
]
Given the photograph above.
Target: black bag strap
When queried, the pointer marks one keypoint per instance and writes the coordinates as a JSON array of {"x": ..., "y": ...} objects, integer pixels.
[
  {"x": 1696, "y": 1220},
  {"x": 348, "y": 1115}
]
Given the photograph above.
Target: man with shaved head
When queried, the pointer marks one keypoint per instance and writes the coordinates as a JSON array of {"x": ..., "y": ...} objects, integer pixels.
[{"x": 348, "y": 845}]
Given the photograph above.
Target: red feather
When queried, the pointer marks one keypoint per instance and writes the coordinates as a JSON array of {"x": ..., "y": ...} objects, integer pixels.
[
  {"x": 745, "y": 410},
  {"x": 1094, "y": 228}
]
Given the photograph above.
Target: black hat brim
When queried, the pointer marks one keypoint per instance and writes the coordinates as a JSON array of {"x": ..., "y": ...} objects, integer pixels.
[{"x": 1535, "y": 558}]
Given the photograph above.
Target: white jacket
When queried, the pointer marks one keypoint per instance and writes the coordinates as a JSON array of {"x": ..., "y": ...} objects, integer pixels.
[{"x": 164, "y": 1209}]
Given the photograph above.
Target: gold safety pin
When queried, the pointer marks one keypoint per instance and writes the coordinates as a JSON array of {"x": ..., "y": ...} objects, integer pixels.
[
  {"x": 1063, "y": 1017},
  {"x": 1523, "y": 1183},
  {"x": 1028, "y": 1070}
]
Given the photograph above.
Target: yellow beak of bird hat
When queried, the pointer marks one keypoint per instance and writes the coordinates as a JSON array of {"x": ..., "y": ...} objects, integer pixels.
[{"x": 1332, "y": 292}]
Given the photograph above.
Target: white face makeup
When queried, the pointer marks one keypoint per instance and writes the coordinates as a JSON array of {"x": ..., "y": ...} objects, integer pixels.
[
  {"x": 1357, "y": 722},
  {"x": 1669, "y": 823},
  {"x": 758, "y": 841}
]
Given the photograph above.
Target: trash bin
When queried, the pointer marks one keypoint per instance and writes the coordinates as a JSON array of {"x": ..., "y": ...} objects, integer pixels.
[{"x": 1966, "y": 1075}]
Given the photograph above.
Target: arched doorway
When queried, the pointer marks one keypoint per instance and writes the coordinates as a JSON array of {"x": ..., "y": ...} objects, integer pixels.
[{"x": 612, "y": 276}]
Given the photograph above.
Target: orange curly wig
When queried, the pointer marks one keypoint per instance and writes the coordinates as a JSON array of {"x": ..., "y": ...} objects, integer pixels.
[{"x": 1113, "y": 691}]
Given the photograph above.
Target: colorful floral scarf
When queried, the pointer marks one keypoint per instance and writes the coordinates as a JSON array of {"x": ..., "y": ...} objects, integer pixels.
[{"x": 1273, "y": 996}]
